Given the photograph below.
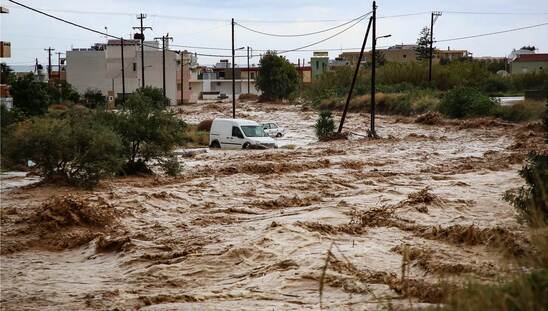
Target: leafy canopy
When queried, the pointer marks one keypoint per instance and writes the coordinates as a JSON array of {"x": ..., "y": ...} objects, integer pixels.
[{"x": 278, "y": 78}]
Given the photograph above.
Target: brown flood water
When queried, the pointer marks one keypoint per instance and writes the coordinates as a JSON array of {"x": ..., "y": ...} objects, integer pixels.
[{"x": 251, "y": 230}]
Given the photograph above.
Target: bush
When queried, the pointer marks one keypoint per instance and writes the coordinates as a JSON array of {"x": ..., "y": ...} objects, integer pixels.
[
  {"x": 523, "y": 111},
  {"x": 463, "y": 102},
  {"x": 531, "y": 201},
  {"x": 29, "y": 97},
  {"x": 171, "y": 166},
  {"x": 76, "y": 149},
  {"x": 325, "y": 124},
  {"x": 196, "y": 136},
  {"x": 525, "y": 292},
  {"x": 248, "y": 97},
  {"x": 94, "y": 99},
  {"x": 205, "y": 125},
  {"x": 496, "y": 85}
]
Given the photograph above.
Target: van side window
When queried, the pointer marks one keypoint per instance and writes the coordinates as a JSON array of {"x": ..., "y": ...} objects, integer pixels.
[{"x": 236, "y": 132}]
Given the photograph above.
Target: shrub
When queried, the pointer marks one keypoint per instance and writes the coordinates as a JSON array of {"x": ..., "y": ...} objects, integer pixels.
[
  {"x": 523, "y": 111},
  {"x": 531, "y": 201},
  {"x": 205, "y": 125},
  {"x": 194, "y": 135},
  {"x": 248, "y": 97},
  {"x": 496, "y": 84},
  {"x": 325, "y": 125},
  {"x": 94, "y": 99},
  {"x": 463, "y": 102},
  {"x": 76, "y": 149},
  {"x": 171, "y": 166},
  {"x": 525, "y": 292}
]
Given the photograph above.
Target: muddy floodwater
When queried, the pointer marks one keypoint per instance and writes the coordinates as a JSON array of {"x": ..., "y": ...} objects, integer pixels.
[{"x": 259, "y": 229}]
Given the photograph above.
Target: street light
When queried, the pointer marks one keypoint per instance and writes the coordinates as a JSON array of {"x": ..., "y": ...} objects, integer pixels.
[{"x": 381, "y": 37}]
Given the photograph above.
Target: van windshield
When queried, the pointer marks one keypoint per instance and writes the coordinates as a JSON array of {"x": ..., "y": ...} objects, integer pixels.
[{"x": 253, "y": 131}]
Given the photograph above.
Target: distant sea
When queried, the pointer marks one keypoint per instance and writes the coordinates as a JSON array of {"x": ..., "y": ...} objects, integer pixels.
[{"x": 19, "y": 68}]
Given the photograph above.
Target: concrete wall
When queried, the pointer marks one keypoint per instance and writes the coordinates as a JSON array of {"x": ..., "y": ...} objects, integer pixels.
[
  {"x": 99, "y": 69},
  {"x": 87, "y": 70},
  {"x": 518, "y": 67}
]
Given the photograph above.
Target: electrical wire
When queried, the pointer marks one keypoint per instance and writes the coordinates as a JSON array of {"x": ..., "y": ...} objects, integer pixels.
[
  {"x": 495, "y": 13},
  {"x": 492, "y": 33},
  {"x": 303, "y": 34},
  {"x": 323, "y": 40}
]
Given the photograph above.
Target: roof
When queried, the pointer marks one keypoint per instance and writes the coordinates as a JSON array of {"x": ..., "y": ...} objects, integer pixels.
[{"x": 543, "y": 57}]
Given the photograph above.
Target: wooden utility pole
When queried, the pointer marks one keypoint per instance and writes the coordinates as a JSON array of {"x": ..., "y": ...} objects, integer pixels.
[
  {"x": 141, "y": 36},
  {"x": 233, "y": 75},
  {"x": 164, "y": 39},
  {"x": 49, "y": 49},
  {"x": 358, "y": 65},
  {"x": 248, "y": 72},
  {"x": 372, "y": 132},
  {"x": 433, "y": 19},
  {"x": 123, "y": 71}
]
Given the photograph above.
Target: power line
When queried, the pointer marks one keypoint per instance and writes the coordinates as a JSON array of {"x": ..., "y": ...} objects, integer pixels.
[
  {"x": 303, "y": 34},
  {"x": 493, "y": 33},
  {"x": 494, "y": 13},
  {"x": 323, "y": 40}
]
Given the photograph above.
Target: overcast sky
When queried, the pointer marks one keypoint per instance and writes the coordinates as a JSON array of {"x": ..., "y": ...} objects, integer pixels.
[{"x": 209, "y": 24}]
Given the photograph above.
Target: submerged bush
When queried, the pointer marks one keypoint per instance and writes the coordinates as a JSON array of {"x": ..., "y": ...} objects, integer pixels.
[
  {"x": 463, "y": 102},
  {"x": 523, "y": 111},
  {"x": 75, "y": 149},
  {"x": 325, "y": 125}
]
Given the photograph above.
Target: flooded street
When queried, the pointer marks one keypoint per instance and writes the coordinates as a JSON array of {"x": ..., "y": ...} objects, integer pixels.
[{"x": 254, "y": 229}]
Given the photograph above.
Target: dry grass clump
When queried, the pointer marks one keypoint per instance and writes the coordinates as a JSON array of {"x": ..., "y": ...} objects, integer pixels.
[
  {"x": 205, "y": 125},
  {"x": 273, "y": 168},
  {"x": 248, "y": 97},
  {"x": 334, "y": 136},
  {"x": 328, "y": 229},
  {"x": 423, "y": 196},
  {"x": 353, "y": 165},
  {"x": 196, "y": 136},
  {"x": 284, "y": 201},
  {"x": 430, "y": 118}
]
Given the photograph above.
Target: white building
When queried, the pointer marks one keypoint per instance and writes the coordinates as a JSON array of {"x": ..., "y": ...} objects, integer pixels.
[{"x": 100, "y": 67}]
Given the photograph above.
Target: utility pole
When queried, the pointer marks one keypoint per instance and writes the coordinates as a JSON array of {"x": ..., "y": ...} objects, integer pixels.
[
  {"x": 49, "y": 49},
  {"x": 141, "y": 36},
  {"x": 248, "y": 72},
  {"x": 233, "y": 76},
  {"x": 355, "y": 75},
  {"x": 59, "y": 76},
  {"x": 433, "y": 19},
  {"x": 59, "y": 63},
  {"x": 164, "y": 39},
  {"x": 372, "y": 132},
  {"x": 182, "y": 76},
  {"x": 123, "y": 71}
]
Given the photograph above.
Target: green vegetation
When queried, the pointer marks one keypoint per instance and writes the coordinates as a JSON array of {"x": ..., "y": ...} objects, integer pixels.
[
  {"x": 463, "y": 102},
  {"x": 531, "y": 200},
  {"x": 93, "y": 98},
  {"x": 278, "y": 79},
  {"x": 79, "y": 146},
  {"x": 148, "y": 132},
  {"x": 196, "y": 135},
  {"x": 29, "y": 97},
  {"x": 75, "y": 148},
  {"x": 527, "y": 110},
  {"x": 325, "y": 124}
]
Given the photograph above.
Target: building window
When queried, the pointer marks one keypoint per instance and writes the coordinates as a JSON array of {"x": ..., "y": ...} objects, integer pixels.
[
  {"x": 253, "y": 75},
  {"x": 317, "y": 65},
  {"x": 221, "y": 75},
  {"x": 404, "y": 55},
  {"x": 134, "y": 66}
]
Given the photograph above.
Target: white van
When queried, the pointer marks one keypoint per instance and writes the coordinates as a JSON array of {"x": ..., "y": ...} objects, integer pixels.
[{"x": 238, "y": 134}]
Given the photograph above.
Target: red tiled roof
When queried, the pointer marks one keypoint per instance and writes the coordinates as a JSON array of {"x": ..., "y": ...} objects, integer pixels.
[{"x": 533, "y": 58}]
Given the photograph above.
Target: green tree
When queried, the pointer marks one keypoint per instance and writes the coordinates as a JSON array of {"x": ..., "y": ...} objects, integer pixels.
[
  {"x": 94, "y": 98},
  {"x": 6, "y": 74},
  {"x": 62, "y": 91},
  {"x": 423, "y": 44},
  {"x": 278, "y": 78},
  {"x": 148, "y": 131},
  {"x": 30, "y": 97},
  {"x": 75, "y": 149},
  {"x": 463, "y": 102}
]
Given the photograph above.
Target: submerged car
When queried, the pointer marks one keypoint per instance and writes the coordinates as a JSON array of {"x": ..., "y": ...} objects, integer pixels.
[
  {"x": 239, "y": 134},
  {"x": 273, "y": 130}
]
